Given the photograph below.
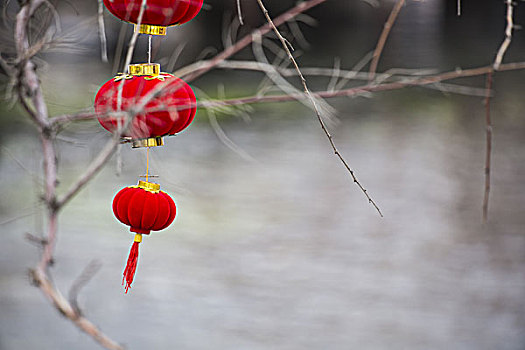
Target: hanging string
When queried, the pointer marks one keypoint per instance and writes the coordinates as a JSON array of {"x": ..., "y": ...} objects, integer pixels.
[
  {"x": 149, "y": 49},
  {"x": 147, "y": 164}
]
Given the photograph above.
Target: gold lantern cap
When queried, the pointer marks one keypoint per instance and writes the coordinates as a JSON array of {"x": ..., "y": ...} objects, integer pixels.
[
  {"x": 149, "y": 186},
  {"x": 141, "y": 69},
  {"x": 150, "y": 29},
  {"x": 149, "y": 142}
]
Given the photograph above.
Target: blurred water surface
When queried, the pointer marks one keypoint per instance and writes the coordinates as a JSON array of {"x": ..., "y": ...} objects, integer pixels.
[{"x": 283, "y": 252}]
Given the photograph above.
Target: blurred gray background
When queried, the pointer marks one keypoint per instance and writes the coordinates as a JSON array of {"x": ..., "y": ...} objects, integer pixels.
[{"x": 274, "y": 247}]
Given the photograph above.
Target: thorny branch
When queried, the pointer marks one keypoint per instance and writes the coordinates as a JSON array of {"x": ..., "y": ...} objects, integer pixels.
[{"x": 314, "y": 104}]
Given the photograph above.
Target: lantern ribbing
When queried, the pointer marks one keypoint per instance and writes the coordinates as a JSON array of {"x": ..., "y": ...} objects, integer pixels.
[
  {"x": 144, "y": 208},
  {"x": 166, "y": 114},
  {"x": 158, "y": 14}
]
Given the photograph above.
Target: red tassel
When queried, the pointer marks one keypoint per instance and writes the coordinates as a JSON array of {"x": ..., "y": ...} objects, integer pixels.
[{"x": 131, "y": 265}]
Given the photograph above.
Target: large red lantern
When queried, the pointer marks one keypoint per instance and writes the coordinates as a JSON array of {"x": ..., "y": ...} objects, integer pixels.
[
  {"x": 144, "y": 208},
  {"x": 170, "y": 112},
  {"x": 158, "y": 14}
]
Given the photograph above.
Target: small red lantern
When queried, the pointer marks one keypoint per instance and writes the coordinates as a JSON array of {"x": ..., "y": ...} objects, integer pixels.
[
  {"x": 144, "y": 208},
  {"x": 158, "y": 14},
  {"x": 166, "y": 114}
]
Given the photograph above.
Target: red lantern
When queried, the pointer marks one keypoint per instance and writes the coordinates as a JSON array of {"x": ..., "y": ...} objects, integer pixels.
[
  {"x": 158, "y": 13},
  {"x": 144, "y": 208},
  {"x": 166, "y": 114}
]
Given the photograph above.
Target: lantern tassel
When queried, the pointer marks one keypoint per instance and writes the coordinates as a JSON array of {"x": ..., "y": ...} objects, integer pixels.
[{"x": 131, "y": 266}]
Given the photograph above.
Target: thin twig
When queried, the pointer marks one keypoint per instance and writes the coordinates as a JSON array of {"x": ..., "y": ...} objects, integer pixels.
[
  {"x": 35, "y": 177},
  {"x": 134, "y": 37},
  {"x": 42, "y": 281},
  {"x": 196, "y": 70},
  {"x": 225, "y": 139},
  {"x": 39, "y": 241},
  {"x": 384, "y": 35},
  {"x": 488, "y": 150},
  {"x": 421, "y": 81},
  {"x": 312, "y": 100},
  {"x": 282, "y": 84},
  {"x": 360, "y": 90},
  {"x": 102, "y": 32},
  {"x": 120, "y": 47},
  {"x": 17, "y": 217},
  {"x": 99, "y": 162},
  {"x": 508, "y": 36},
  {"x": 94, "y": 167},
  {"x": 239, "y": 12},
  {"x": 87, "y": 274},
  {"x": 488, "y": 120}
]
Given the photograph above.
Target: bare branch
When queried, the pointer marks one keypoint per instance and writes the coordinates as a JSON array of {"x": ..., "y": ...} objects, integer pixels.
[
  {"x": 39, "y": 241},
  {"x": 87, "y": 274},
  {"x": 508, "y": 36},
  {"x": 297, "y": 34},
  {"x": 360, "y": 90},
  {"x": 31, "y": 97},
  {"x": 195, "y": 71},
  {"x": 384, "y": 35},
  {"x": 488, "y": 150},
  {"x": 120, "y": 47},
  {"x": 239, "y": 12},
  {"x": 96, "y": 165},
  {"x": 134, "y": 37},
  {"x": 17, "y": 217},
  {"x": 488, "y": 121},
  {"x": 312, "y": 100},
  {"x": 406, "y": 81},
  {"x": 110, "y": 148},
  {"x": 225, "y": 139},
  {"x": 40, "y": 279},
  {"x": 102, "y": 32},
  {"x": 284, "y": 85}
]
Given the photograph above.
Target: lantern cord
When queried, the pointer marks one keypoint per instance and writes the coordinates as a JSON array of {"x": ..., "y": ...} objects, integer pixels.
[
  {"x": 149, "y": 49},
  {"x": 147, "y": 164}
]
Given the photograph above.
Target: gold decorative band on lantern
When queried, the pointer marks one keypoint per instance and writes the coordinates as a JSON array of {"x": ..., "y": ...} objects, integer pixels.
[
  {"x": 150, "y": 69},
  {"x": 138, "y": 238},
  {"x": 150, "y": 29},
  {"x": 149, "y": 186},
  {"x": 151, "y": 142}
]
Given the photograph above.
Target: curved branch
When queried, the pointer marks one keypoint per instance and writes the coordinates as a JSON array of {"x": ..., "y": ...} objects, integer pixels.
[
  {"x": 407, "y": 81},
  {"x": 32, "y": 99},
  {"x": 384, "y": 35},
  {"x": 41, "y": 280},
  {"x": 194, "y": 71},
  {"x": 314, "y": 103}
]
